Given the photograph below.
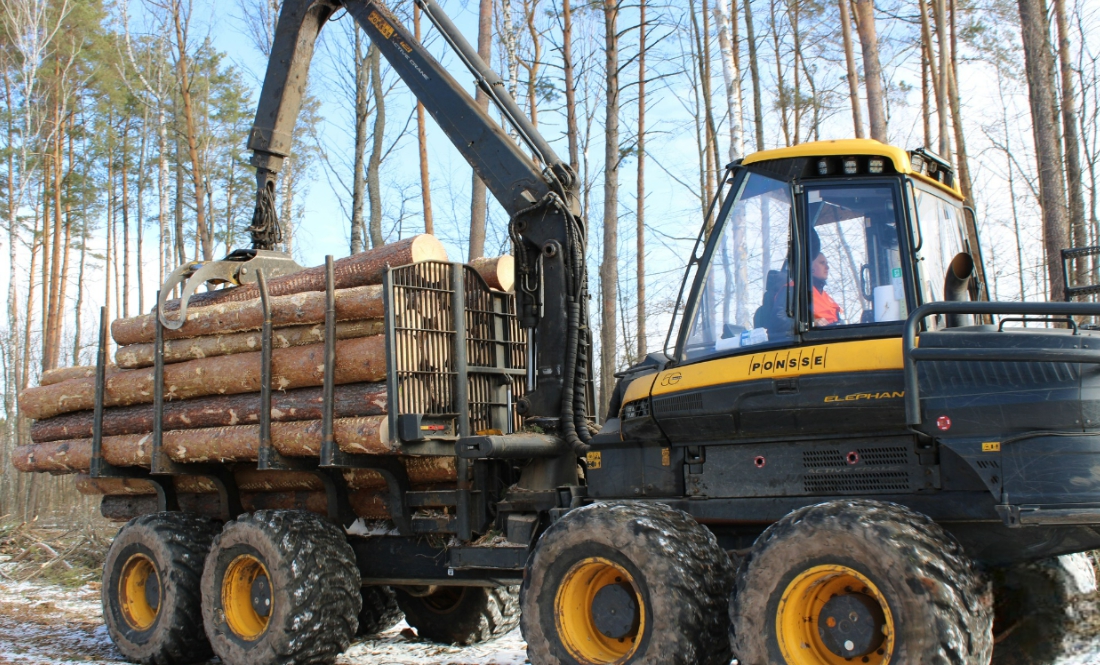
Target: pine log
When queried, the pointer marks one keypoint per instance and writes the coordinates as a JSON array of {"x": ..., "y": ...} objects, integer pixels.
[
  {"x": 240, "y": 443},
  {"x": 352, "y": 400},
  {"x": 355, "y": 270},
  {"x": 52, "y": 376},
  {"x": 352, "y": 304},
  {"x": 498, "y": 272},
  {"x": 367, "y": 504},
  {"x": 358, "y": 360},
  {"x": 136, "y": 356}
]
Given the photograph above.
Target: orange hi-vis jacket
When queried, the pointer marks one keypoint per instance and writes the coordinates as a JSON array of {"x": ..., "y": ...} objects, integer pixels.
[{"x": 824, "y": 307}]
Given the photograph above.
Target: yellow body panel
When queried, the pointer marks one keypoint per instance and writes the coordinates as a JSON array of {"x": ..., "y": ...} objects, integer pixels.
[
  {"x": 858, "y": 356},
  {"x": 639, "y": 388},
  {"x": 846, "y": 147}
]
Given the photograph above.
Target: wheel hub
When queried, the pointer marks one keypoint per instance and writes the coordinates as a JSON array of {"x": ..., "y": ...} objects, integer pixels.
[
  {"x": 615, "y": 611},
  {"x": 261, "y": 596},
  {"x": 139, "y": 592},
  {"x": 851, "y": 625}
]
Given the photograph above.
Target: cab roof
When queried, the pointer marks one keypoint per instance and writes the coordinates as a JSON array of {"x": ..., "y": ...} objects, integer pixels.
[{"x": 852, "y": 147}]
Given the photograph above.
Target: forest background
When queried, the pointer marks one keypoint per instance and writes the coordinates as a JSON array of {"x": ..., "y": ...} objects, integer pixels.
[{"x": 123, "y": 127}]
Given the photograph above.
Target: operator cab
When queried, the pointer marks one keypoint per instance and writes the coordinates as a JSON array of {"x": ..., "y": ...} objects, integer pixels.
[{"x": 811, "y": 244}]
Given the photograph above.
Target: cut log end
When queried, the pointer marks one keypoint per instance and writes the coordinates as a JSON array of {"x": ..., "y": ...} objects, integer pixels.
[{"x": 498, "y": 272}]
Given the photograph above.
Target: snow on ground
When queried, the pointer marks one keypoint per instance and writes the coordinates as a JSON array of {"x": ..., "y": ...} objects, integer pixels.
[{"x": 43, "y": 624}]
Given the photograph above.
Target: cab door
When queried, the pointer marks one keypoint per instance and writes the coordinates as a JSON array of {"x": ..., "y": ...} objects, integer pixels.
[{"x": 729, "y": 381}]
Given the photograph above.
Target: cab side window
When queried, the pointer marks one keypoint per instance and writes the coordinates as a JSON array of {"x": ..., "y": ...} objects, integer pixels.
[
  {"x": 939, "y": 239},
  {"x": 855, "y": 274},
  {"x": 746, "y": 290}
]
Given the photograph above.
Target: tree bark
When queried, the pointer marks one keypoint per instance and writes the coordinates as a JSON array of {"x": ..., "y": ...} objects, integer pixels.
[
  {"x": 359, "y": 181},
  {"x": 850, "y": 61},
  {"x": 360, "y": 360},
  {"x": 192, "y": 137},
  {"x": 570, "y": 86},
  {"x": 609, "y": 267},
  {"x": 499, "y": 272},
  {"x": 478, "y": 203},
  {"x": 1039, "y": 66},
  {"x": 374, "y": 165},
  {"x": 754, "y": 73},
  {"x": 350, "y": 401},
  {"x": 422, "y": 143},
  {"x": 872, "y": 69},
  {"x": 1074, "y": 171},
  {"x": 940, "y": 12}
]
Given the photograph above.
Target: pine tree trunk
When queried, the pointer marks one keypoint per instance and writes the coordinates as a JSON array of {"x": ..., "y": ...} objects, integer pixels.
[
  {"x": 754, "y": 73},
  {"x": 1074, "y": 172},
  {"x": 570, "y": 86},
  {"x": 639, "y": 232},
  {"x": 197, "y": 172},
  {"x": 374, "y": 165},
  {"x": 359, "y": 182},
  {"x": 850, "y": 62},
  {"x": 422, "y": 143},
  {"x": 478, "y": 202},
  {"x": 1039, "y": 66},
  {"x": 609, "y": 267},
  {"x": 872, "y": 69}
]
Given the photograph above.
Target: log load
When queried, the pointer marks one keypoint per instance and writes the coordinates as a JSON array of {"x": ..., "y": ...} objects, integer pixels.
[
  {"x": 351, "y": 400},
  {"x": 359, "y": 304},
  {"x": 137, "y": 356},
  {"x": 359, "y": 360},
  {"x": 211, "y": 384},
  {"x": 355, "y": 270}
]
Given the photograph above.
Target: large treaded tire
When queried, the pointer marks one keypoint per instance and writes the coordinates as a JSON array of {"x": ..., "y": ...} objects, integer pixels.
[
  {"x": 682, "y": 578},
  {"x": 940, "y": 600},
  {"x": 1038, "y": 609},
  {"x": 380, "y": 611},
  {"x": 177, "y": 545},
  {"x": 314, "y": 589},
  {"x": 462, "y": 615}
]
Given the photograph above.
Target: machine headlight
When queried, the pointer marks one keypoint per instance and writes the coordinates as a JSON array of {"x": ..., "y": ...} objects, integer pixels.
[
  {"x": 876, "y": 165},
  {"x": 851, "y": 166},
  {"x": 916, "y": 162},
  {"x": 823, "y": 167}
]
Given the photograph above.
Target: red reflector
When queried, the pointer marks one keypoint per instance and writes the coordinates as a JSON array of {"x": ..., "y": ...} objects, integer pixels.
[
  {"x": 433, "y": 428},
  {"x": 944, "y": 423}
]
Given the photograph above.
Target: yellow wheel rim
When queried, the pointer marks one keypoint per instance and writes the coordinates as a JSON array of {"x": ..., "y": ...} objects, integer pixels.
[
  {"x": 237, "y": 597},
  {"x": 134, "y": 591},
  {"x": 802, "y": 608},
  {"x": 576, "y": 621}
]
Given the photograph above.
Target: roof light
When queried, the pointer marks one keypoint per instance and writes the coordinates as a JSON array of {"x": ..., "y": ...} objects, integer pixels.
[
  {"x": 916, "y": 162},
  {"x": 823, "y": 166},
  {"x": 851, "y": 166},
  {"x": 876, "y": 165}
]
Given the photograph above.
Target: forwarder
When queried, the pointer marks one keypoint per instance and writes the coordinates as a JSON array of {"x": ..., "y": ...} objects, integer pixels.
[{"x": 869, "y": 488}]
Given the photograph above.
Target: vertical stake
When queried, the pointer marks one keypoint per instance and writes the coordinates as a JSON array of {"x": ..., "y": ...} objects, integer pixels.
[
  {"x": 156, "y": 462},
  {"x": 328, "y": 442},
  {"x": 264, "y": 457},
  {"x": 97, "y": 469}
]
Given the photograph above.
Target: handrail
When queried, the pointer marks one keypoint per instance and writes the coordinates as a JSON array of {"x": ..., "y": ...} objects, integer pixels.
[{"x": 911, "y": 355}]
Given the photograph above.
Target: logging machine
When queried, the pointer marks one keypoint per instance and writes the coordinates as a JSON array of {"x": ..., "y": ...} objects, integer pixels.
[{"x": 844, "y": 452}]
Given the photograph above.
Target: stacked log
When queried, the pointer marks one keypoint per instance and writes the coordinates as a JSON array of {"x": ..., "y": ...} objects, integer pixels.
[{"x": 212, "y": 379}]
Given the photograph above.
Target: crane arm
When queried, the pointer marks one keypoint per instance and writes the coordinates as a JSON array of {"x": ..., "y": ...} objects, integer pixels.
[{"x": 540, "y": 196}]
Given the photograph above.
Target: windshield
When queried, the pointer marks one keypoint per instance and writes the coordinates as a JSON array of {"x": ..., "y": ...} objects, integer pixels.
[{"x": 746, "y": 295}]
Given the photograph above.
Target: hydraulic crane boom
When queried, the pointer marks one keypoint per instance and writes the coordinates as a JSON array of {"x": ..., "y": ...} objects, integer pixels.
[{"x": 540, "y": 194}]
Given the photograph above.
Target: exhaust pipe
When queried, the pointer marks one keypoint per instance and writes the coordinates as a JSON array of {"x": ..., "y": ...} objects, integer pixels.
[{"x": 956, "y": 286}]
